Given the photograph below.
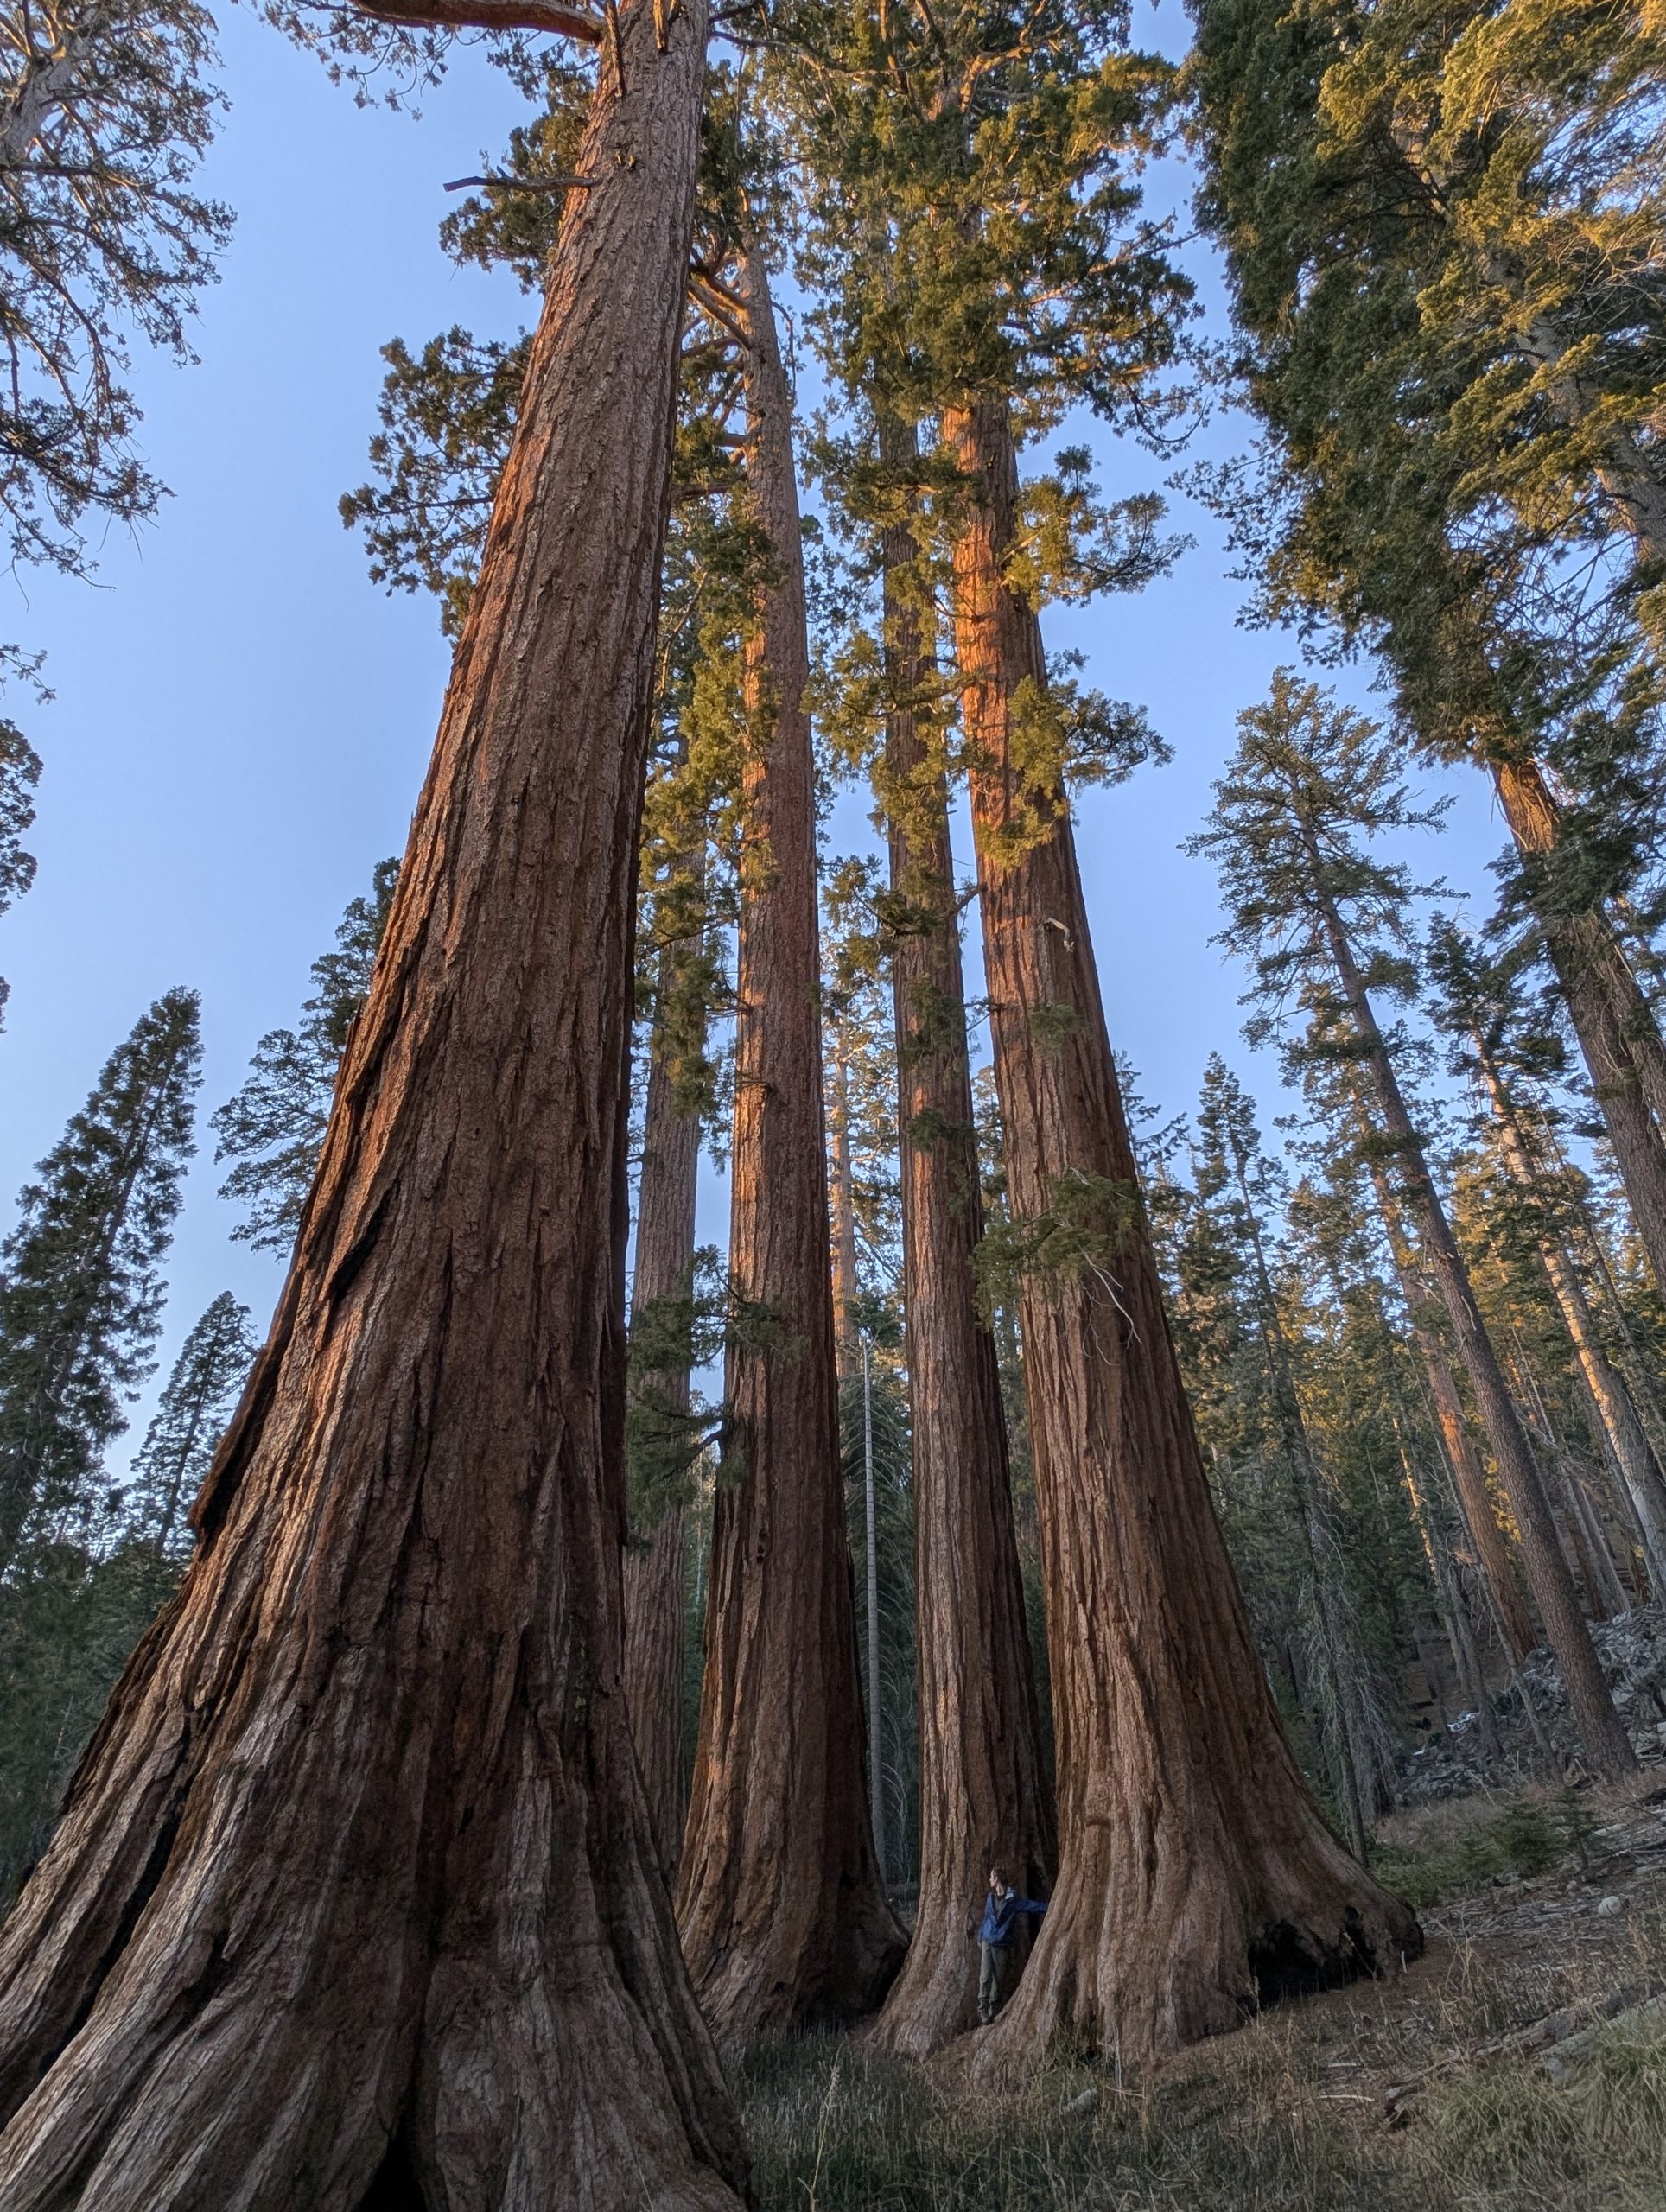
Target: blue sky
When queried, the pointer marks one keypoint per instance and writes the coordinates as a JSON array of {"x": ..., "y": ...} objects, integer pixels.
[{"x": 242, "y": 719}]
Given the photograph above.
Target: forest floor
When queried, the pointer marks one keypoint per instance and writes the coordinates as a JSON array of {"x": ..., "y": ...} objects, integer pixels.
[{"x": 1518, "y": 2066}]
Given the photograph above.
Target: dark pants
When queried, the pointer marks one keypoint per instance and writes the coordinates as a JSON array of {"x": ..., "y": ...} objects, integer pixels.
[{"x": 992, "y": 1979}]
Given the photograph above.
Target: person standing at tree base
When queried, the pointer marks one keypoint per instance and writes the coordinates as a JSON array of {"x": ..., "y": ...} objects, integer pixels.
[{"x": 1002, "y": 1910}]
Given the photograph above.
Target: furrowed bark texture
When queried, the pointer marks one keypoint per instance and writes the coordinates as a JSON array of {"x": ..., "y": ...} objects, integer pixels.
[
  {"x": 1619, "y": 1038},
  {"x": 355, "y": 1892},
  {"x": 983, "y": 1799},
  {"x": 1605, "y": 1743},
  {"x": 781, "y": 1905},
  {"x": 1194, "y": 1868},
  {"x": 667, "y": 1191}
]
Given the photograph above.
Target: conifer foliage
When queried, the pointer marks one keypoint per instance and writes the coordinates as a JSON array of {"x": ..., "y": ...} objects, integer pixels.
[
  {"x": 273, "y": 1127},
  {"x": 20, "y": 771},
  {"x": 80, "y": 1299},
  {"x": 106, "y": 107},
  {"x": 180, "y": 1444},
  {"x": 1188, "y": 1474},
  {"x": 80, "y": 1296}
]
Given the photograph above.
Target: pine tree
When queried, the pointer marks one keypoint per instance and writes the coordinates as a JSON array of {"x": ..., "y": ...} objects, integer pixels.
[
  {"x": 80, "y": 1294},
  {"x": 407, "y": 1585},
  {"x": 1477, "y": 1005},
  {"x": 80, "y": 1302},
  {"x": 179, "y": 1445},
  {"x": 1444, "y": 479},
  {"x": 273, "y": 1127},
  {"x": 84, "y": 1591},
  {"x": 1317, "y": 915},
  {"x": 1238, "y": 1183}
]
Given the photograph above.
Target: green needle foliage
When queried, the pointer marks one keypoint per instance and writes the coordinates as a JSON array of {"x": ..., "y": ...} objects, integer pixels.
[
  {"x": 1309, "y": 787},
  {"x": 1441, "y": 230},
  {"x": 106, "y": 112},
  {"x": 273, "y": 1127},
  {"x": 976, "y": 224},
  {"x": 206, "y": 1381},
  {"x": 80, "y": 1302}
]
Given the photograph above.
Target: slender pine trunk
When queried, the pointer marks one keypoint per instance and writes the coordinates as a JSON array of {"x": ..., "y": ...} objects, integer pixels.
[
  {"x": 1619, "y": 1038},
  {"x": 845, "y": 1333},
  {"x": 1608, "y": 1748},
  {"x": 1494, "y": 1557},
  {"x": 1620, "y": 1423},
  {"x": 1339, "y": 1682}
]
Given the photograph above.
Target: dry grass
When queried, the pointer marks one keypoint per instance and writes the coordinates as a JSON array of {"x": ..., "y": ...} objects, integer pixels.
[{"x": 1290, "y": 2115}]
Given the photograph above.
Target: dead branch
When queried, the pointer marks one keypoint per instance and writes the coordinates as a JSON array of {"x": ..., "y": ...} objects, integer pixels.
[
  {"x": 565, "y": 18},
  {"x": 1556, "y": 2027},
  {"x": 523, "y": 183}
]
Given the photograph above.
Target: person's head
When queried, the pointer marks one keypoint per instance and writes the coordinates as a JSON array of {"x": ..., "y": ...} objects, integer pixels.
[{"x": 997, "y": 1879}]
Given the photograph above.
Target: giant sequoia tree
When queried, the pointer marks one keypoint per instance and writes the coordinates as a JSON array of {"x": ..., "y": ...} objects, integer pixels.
[
  {"x": 1194, "y": 1863},
  {"x": 780, "y": 1904},
  {"x": 984, "y": 1795},
  {"x": 357, "y": 1879}
]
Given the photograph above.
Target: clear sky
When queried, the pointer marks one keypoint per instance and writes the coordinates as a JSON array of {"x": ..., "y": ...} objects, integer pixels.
[{"x": 242, "y": 719}]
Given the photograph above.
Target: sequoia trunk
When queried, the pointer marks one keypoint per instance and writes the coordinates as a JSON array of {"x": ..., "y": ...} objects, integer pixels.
[
  {"x": 355, "y": 1891},
  {"x": 1606, "y": 1745},
  {"x": 1195, "y": 1871},
  {"x": 983, "y": 1799},
  {"x": 781, "y": 1906},
  {"x": 666, "y": 1193}
]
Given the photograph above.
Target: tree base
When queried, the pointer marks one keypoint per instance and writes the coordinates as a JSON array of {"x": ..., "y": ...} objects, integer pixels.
[{"x": 1198, "y": 1960}]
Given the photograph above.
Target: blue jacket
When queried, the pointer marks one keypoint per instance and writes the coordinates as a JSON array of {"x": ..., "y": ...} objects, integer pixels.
[{"x": 999, "y": 1919}]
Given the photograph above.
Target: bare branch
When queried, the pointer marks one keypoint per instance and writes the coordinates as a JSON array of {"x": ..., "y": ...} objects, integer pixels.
[{"x": 566, "y": 22}]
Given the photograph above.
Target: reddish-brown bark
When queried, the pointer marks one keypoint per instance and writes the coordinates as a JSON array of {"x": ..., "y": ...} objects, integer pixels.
[
  {"x": 781, "y": 1905},
  {"x": 1195, "y": 1871},
  {"x": 355, "y": 1891},
  {"x": 667, "y": 1191},
  {"x": 983, "y": 1799}
]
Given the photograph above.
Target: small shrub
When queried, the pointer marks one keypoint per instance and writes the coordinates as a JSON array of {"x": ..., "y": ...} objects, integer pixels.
[{"x": 1528, "y": 1840}]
